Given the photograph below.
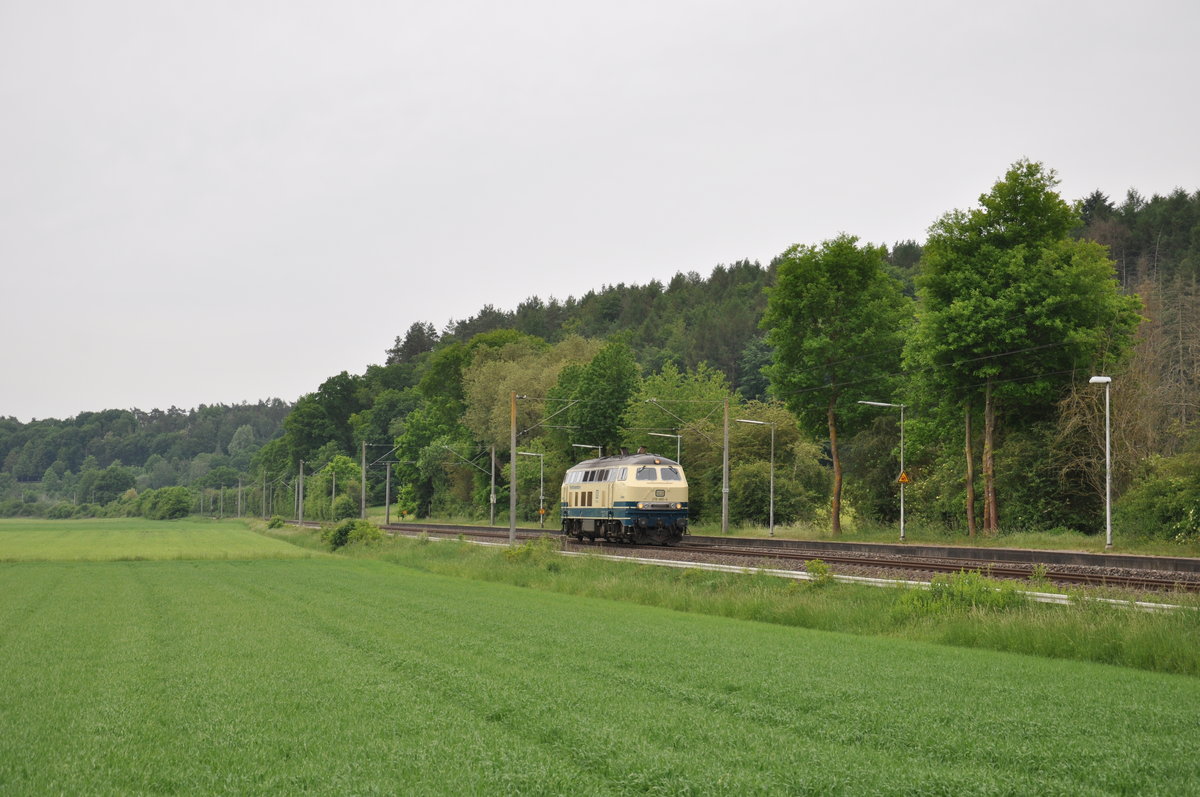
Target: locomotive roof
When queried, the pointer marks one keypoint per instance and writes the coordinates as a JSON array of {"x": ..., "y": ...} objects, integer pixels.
[{"x": 618, "y": 460}]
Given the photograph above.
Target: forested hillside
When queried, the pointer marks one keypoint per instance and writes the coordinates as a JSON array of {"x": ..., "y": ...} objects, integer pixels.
[
  {"x": 987, "y": 331},
  {"x": 96, "y": 457}
]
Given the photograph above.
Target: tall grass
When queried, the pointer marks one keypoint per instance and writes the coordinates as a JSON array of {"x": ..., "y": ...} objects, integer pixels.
[{"x": 965, "y": 610}]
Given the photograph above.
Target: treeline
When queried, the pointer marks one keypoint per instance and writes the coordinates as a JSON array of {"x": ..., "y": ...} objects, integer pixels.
[
  {"x": 1154, "y": 240},
  {"x": 688, "y": 321},
  {"x": 628, "y": 365},
  {"x": 96, "y": 457},
  {"x": 983, "y": 332}
]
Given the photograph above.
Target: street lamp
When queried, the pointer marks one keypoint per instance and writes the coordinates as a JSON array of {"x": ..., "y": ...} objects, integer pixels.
[
  {"x": 599, "y": 449},
  {"x": 1106, "y": 381},
  {"x": 677, "y": 439},
  {"x": 903, "y": 475},
  {"x": 541, "y": 485},
  {"x": 768, "y": 423}
]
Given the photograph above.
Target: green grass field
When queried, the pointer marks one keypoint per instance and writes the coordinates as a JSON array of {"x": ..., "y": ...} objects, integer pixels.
[
  {"x": 134, "y": 539},
  {"x": 339, "y": 675}
]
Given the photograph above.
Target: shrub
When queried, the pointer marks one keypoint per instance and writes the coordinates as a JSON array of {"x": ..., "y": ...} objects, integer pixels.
[
  {"x": 166, "y": 503},
  {"x": 61, "y": 511},
  {"x": 345, "y": 507},
  {"x": 1165, "y": 504},
  {"x": 365, "y": 533},
  {"x": 962, "y": 591},
  {"x": 351, "y": 531},
  {"x": 820, "y": 572},
  {"x": 276, "y": 522},
  {"x": 542, "y": 552}
]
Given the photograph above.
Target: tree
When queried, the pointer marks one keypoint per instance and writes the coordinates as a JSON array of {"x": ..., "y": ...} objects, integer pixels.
[
  {"x": 528, "y": 367},
  {"x": 243, "y": 443},
  {"x": 604, "y": 389},
  {"x": 1012, "y": 309},
  {"x": 167, "y": 503},
  {"x": 103, "y": 486},
  {"x": 835, "y": 319},
  {"x": 420, "y": 338},
  {"x": 220, "y": 476},
  {"x": 676, "y": 402}
]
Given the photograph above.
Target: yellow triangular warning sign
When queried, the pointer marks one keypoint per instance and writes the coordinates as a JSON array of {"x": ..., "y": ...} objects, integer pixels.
[{"x": 904, "y": 478}]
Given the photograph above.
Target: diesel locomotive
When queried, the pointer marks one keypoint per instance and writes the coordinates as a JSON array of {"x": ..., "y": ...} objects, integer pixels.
[{"x": 634, "y": 498}]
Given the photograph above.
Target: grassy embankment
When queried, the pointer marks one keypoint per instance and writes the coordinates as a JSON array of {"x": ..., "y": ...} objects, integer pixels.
[
  {"x": 967, "y": 611},
  {"x": 334, "y": 674}
]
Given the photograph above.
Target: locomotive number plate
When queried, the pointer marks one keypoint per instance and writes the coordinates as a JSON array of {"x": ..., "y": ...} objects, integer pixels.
[{"x": 660, "y": 493}]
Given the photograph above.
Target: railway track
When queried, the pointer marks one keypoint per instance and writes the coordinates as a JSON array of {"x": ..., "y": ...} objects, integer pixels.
[
  {"x": 1138, "y": 573},
  {"x": 1101, "y": 576}
]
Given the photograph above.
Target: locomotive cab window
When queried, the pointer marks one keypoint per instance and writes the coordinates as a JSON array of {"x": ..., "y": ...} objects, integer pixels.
[
  {"x": 670, "y": 475},
  {"x": 647, "y": 474}
]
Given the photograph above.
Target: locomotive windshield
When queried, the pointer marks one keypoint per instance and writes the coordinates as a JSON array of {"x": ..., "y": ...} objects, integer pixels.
[{"x": 670, "y": 475}]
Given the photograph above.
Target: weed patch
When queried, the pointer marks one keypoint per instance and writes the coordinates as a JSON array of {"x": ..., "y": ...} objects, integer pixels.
[{"x": 961, "y": 592}]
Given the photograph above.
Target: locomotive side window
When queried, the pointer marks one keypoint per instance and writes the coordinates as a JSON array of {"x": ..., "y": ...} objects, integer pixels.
[
  {"x": 670, "y": 475},
  {"x": 622, "y": 474}
]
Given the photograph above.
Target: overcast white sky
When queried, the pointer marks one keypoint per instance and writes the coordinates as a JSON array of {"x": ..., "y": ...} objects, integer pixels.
[{"x": 215, "y": 202}]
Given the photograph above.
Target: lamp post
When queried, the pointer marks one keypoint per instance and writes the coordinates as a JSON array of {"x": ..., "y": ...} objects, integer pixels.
[
  {"x": 768, "y": 423},
  {"x": 1107, "y": 382},
  {"x": 903, "y": 475},
  {"x": 599, "y": 449},
  {"x": 677, "y": 443},
  {"x": 541, "y": 485}
]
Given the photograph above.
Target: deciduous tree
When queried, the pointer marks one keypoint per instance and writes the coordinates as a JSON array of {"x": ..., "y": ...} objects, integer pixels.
[
  {"x": 835, "y": 319},
  {"x": 1012, "y": 309}
]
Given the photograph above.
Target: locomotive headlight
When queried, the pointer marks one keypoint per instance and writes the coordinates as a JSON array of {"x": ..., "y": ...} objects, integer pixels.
[
  {"x": 641, "y": 505},
  {"x": 679, "y": 506}
]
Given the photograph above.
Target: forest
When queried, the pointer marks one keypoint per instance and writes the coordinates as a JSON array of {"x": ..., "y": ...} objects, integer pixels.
[{"x": 988, "y": 332}]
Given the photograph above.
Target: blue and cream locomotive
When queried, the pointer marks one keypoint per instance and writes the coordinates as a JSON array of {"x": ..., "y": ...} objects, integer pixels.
[{"x": 637, "y": 498}]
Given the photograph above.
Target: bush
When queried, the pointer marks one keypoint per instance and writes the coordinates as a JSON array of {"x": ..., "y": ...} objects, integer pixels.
[
  {"x": 1166, "y": 505},
  {"x": 963, "y": 591},
  {"x": 61, "y": 511},
  {"x": 351, "y": 531},
  {"x": 17, "y": 508},
  {"x": 167, "y": 503},
  {"x": 751, "y": 502},
  {"x": 364, "y": 533},
  {"x": 822, "y": 575},
  {"x": 542, "y": 552},
  {"x": 345, "y": 507},
  {"x": 276, "y": 522}
]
